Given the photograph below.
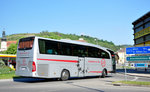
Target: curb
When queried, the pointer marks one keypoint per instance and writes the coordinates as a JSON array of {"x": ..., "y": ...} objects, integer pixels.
[
  {"x": 4, "y": 80},
  {"x": 139, "y": 75}
]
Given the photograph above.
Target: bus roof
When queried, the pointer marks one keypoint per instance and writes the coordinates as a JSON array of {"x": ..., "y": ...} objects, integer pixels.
[{"x": 75, "y": 42}]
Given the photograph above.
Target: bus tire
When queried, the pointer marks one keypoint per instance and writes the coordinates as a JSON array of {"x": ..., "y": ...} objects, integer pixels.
[
  {"x": 103, "y": 74},
  {"x": 65, "y": 75}
]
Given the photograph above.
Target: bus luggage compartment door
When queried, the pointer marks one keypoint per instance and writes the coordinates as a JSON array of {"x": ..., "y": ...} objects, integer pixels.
[{"x": 81, "y": 67}]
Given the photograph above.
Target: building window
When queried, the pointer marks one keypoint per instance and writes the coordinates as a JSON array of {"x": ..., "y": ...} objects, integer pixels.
[
  {"x": 138, "y": 29},
  {"x": 137, "y": 25},
  {"x": 147, "y": 38},
  {"x": 139, "y": 40},
  {"x": 147, "y": 25},
  {"x": 148, "y": 19}
]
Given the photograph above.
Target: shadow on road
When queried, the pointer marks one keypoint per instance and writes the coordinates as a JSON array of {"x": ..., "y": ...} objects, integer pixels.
[
  {"x": 38, "y": 80},
  {"x": 32, "y": 80}
]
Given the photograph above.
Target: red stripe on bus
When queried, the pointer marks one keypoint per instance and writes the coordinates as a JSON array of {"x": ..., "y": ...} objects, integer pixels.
[
  {"x": 72, "y": 61},
  {"x": 97, "y": 72},
  {"x": 94, "y": 61}
]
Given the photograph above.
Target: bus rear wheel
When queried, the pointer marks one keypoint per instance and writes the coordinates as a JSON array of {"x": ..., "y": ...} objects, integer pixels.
[{"x": 65, "y": 75}]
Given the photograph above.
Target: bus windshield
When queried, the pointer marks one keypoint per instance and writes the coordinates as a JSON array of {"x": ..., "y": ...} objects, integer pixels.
[{"x": 26, "y": 43}]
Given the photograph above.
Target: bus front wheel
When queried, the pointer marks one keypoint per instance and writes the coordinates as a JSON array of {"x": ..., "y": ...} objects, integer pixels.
[
  {"x": 65, "y": 75},
  {"x": 103, "y": 74}
]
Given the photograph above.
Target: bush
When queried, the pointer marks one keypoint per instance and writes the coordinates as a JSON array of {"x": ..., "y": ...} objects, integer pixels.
[
  {"x": 2, "y": 64},
  {"x": 5, "y": 70}
]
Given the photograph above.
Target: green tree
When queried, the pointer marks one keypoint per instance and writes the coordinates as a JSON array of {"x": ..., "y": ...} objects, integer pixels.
[{"x": 12, "y": 49}]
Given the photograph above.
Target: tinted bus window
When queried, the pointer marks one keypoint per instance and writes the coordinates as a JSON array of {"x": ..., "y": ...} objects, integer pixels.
[
  {"x": 79, "y": 50},
  {"x": 97, "y": 53},
  {"x": 59, "y": 48},
  {"x": 42, "y": 47},
  {"x": 65, "y": 49},
  {"x": 48, "y": 47},
  {"x": 93, "y": 52},
  {"x": 82, "y": 51},
  {"x": 26, "y": 43},
  {"x": 105, "y": 55}
]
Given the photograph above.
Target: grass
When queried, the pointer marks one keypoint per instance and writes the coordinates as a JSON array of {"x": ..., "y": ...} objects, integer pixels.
[
  {"x": 6, "y": 72},
  {"x": 133, "y": 83},
  {"x": 7, "y": 76}
]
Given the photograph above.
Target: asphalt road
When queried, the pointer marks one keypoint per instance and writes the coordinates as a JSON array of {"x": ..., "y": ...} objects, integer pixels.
[{"x": 72, "y": 85}]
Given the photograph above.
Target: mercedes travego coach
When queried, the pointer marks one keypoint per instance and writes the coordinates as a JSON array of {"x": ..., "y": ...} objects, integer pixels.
[{"x": 49, "y": 58}]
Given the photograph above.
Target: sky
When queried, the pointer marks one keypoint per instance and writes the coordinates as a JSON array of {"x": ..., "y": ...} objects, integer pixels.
[{"x": 109, "y": 20}]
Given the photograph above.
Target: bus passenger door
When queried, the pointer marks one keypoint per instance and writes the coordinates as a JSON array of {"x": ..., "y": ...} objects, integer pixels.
[
  {"x": 81, "y": 67},
  {"x": 113, "y": 64}
]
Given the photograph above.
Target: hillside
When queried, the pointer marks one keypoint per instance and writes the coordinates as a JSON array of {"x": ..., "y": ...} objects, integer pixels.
[{"x": 57, "y": 35}]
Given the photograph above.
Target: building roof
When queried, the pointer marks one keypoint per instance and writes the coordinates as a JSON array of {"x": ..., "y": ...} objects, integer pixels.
[
  {"x": 81, "y": 40},
  {"x": 10, "y": 42},
  {"x": 142, "y": 18}
]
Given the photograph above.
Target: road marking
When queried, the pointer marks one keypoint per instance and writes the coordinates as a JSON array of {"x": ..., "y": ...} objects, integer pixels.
[{"x": 135, "y": 79}]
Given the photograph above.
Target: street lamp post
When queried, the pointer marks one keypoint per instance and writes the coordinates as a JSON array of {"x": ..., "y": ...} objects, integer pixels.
[{"x": 96, "y": 41}]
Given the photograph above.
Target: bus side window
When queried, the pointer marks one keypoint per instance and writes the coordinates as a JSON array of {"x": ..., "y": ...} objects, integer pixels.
[
  {"x": 99, "y": 53},
  {"x": 93, "y": 52},
  {"x": 105, "y": 55},
  {"x": 74, "y": 50},
  {"x": 42, "y": 46},
  {"x": 51, "y": 47},
  {"x": 82, "y": 51},
  {"x": 48, "y": 47},
  {"x": 65, "y": 49}
]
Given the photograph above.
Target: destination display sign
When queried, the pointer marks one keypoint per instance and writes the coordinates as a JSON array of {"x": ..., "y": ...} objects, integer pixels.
[
  {"x": 138, "y": 50},
  {"x": 138, "y": 58},
  {"x": 140, "y": 65}
]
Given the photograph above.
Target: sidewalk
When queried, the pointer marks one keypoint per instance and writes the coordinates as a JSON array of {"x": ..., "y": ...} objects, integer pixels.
[{"x": 3, "y": 80}]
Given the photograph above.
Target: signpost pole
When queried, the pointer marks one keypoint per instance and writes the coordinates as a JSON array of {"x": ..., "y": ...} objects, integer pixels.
[
  {"x": 125, "y": 69},
  {"x": 125, "y": 73}
]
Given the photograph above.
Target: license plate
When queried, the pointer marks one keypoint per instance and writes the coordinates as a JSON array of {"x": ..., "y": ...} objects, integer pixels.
[{"x": 23, "y": 68}]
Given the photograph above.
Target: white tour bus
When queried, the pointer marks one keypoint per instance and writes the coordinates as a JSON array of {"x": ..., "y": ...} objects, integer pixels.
[{"x": 49, "y": 58}]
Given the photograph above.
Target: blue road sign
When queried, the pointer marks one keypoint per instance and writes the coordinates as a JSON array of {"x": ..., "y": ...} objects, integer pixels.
[
  {"x": 138, "y": 58},
  {"x": 142, "y": 65},
  {"x": 138, "y": 50}
]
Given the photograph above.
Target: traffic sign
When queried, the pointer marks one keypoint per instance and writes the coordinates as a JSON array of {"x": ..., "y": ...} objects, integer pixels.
[
  {"x": 138, "y": 58},
  {"x": 138, "y": 50},
  {"x": 141, "y": 65}
]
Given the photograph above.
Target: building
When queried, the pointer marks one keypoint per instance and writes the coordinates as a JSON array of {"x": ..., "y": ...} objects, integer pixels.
[
  {"x": 81, "y": 40},
  {"x": 10, "y": 42},
  {"x": 142, "y": 30},
  {"x": 122, "y": 55},
  {"x": 3, "y": 42}
]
